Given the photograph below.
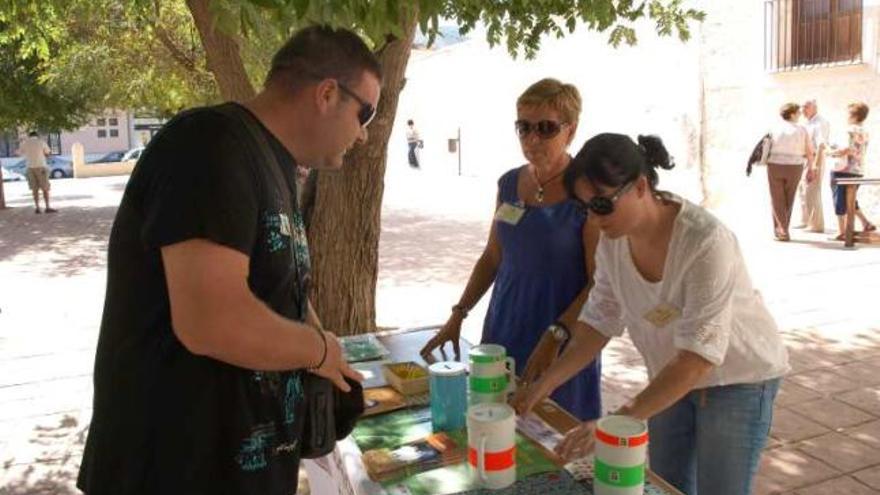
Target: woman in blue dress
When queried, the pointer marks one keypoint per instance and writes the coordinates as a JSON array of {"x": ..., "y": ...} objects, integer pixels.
[{"x": 539, "y": 254}]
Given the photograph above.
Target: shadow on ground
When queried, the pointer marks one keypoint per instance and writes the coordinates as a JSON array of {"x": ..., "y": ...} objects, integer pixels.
[
  {"x": 415, "y": 248},
  {"x": 53, "y": 470},
  {"x": 73, "y": 241}
]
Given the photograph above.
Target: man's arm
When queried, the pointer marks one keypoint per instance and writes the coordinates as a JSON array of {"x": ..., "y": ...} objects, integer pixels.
[{"x": 214, "y": 313}]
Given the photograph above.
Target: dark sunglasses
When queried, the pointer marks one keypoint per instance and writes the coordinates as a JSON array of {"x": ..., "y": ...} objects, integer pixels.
[
  {"x": 603, "y": 205},
  {"x": 365, "y": 113},
  {"x": 545, "y": 129}
]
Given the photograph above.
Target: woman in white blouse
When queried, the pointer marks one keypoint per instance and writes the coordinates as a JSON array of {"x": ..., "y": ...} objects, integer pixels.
[
  {"x": 673, "y": 276},
  {"x": 790, "y": 149}
]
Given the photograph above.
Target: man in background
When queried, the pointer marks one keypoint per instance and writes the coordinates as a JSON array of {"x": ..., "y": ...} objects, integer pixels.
[
  {"x": 35, "y": 151},
  {"x": 413, "y": 141},
  {"x": 810, "y": 190}
]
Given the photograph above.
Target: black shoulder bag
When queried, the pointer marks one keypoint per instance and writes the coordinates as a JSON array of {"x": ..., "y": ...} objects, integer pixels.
[{"x": 330, "y": 413}]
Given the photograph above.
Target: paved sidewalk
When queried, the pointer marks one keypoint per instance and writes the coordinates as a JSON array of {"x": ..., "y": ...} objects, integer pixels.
[{"x": 826, "y": 434}]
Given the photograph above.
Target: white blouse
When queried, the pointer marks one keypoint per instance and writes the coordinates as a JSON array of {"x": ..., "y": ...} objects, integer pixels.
[
  {"x": 706, "y": 294},
  {"x": 788, "y": 145}
]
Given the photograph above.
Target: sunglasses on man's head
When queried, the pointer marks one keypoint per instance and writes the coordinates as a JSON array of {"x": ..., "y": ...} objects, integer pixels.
[
  {"x": 545, "y": 129},
  {"x": 603, "y": 205}
]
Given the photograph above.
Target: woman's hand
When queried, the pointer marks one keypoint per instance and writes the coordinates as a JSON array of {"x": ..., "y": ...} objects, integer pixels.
[
  {"x": 811, "y": 175},
  {"x": 528, "y": 396},
  {"x": 578, "y": 442},
  {"x": 450, "y": 332},
  {"x": 541, "y": 359}
]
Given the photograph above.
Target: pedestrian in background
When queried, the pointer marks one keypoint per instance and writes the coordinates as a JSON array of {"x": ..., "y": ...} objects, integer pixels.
[
  {"x": 35, "y": 151},
  {"x": 414, "y": 142}
]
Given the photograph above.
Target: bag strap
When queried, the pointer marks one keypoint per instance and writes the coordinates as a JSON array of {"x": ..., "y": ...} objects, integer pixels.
[
  {"x": 258, "y": 138},
  {"x": 253, "y": 133}
]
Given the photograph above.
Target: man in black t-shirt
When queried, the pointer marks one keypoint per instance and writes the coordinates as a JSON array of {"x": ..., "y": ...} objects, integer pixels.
[{"x": 207, "y": 329}]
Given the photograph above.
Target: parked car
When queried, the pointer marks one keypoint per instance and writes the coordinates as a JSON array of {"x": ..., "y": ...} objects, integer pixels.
[
  {"x": 113, "y": 156},
  {"x": 132, "y": 154},
  {"x": 58, "y": 167},
  {"x": 11, "y": 176}
]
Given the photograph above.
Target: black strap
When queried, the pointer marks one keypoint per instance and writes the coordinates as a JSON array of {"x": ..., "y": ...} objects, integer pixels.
[
  {"x": 257, "y": 137},
  {"x": 251, "y": 131}
]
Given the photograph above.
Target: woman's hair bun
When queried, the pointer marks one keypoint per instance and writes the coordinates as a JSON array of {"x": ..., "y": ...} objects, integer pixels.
[{"x": 655, "y": 153}]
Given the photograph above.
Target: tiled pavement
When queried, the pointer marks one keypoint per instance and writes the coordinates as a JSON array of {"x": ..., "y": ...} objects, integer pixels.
[{"x": 826, "y": 432}]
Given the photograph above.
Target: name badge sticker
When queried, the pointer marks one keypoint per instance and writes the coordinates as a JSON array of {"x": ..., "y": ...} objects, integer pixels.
[
  {"x": 662, "y": 315},
  {"x": 509, "y": 213}
]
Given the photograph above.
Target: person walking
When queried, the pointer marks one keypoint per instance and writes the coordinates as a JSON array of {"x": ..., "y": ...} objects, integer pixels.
[
  {"x": 35, "y": 150},
  {"x": 413, "y": 142}
]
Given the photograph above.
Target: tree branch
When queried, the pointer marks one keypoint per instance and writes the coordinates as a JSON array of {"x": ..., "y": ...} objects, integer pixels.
[
  {"x": 176, "y": 52},
  {"x": 222, "y": 54}
]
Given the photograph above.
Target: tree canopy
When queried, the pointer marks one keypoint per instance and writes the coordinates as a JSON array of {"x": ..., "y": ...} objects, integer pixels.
[
  {"x": 162, "y": 55},
  {"x": 69, "y": 58}
]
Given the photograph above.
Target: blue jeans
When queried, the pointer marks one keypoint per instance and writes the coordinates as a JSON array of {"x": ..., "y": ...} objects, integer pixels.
[
  {"x": 710, "y": 441},
  {"x": 839, "y": 192}
]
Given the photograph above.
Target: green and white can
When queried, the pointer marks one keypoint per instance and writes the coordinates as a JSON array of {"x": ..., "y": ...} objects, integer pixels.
[
  {"x": 492, "y": 374},
  {"x": 621, "y": 450}
]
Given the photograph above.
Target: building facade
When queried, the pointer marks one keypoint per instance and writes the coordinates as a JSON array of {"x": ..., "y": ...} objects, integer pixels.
[
  {"x": 112, "y": 130},
  {"x": 756, "y": 55}
]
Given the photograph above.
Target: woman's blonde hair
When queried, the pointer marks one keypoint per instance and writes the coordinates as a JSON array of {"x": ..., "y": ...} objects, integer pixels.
[{"x": 553, "y": 93}]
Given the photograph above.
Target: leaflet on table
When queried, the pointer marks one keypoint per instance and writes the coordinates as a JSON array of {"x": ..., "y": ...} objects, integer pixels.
[
  {"x": 365, "y": 347},
  {"x": 372, "y": 372}
]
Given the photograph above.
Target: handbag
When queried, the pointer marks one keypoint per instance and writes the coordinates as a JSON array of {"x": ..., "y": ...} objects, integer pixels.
[{"x": 330, "y": 413}]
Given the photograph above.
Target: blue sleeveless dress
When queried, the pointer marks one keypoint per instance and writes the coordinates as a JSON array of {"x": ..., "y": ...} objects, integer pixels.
[{"x": 542, "y": 271}]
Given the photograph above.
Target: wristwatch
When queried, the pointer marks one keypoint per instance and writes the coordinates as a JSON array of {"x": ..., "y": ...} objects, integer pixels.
[{"x": 559, "y": 332}]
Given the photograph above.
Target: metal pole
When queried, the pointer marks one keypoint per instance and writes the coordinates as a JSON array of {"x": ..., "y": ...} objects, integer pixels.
[
  {"x": 459, "y": 151},
  {"x": 2, "y": 194}
]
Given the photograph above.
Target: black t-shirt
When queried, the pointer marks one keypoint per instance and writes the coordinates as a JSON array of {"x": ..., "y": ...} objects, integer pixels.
[{"x": 167, "y": 421}]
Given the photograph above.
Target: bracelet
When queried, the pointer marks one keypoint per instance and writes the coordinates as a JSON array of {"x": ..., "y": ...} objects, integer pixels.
[
  {"x": 324, "y": 355},
  {"x": 458, "y": 308}
]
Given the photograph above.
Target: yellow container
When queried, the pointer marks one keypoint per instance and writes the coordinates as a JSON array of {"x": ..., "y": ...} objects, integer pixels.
[{"x": 408, "y": 378}]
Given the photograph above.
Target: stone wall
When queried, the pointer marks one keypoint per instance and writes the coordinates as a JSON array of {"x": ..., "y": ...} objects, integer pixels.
[{"x": 741, "y": 98}]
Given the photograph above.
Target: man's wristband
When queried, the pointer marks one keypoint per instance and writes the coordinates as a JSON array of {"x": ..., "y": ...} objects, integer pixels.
[{"x": 324, "y": 355}]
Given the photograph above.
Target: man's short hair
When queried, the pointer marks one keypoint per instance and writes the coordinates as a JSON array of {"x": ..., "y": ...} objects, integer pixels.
[
  {"x": 33, "y": 134},
  {"x": 318, "y": 52}
]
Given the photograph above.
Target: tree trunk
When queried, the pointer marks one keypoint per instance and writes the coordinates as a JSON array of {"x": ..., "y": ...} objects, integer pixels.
[
  {"x": 343, "y": 208},
  {"x": 346, "y": 205},
  {"x": 221, "y": 54}
]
